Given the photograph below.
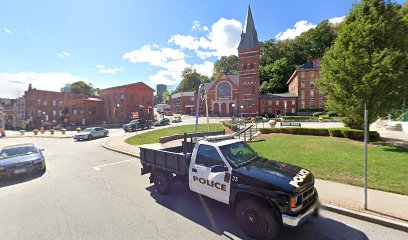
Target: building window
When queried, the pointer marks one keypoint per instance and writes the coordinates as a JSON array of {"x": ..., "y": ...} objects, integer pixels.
[
  {"x": 54, "y": 113},
  {"x": 244, "y": 67},
  {"x": 74, "y": 112},
  {"x": 302, "y": 104},
  {"x": 293, "y": 102},
  {"x": 302, "y": 74},
  {"x": 312, "y": 83},
  {"x": 54, "y": 103},
  {"x": 311, "y": 94},
  {"x": 251, "y": 66},
  {"x": 312, "y": 104},
  {"x": 270, "y": 103},
  {"x": 277, "y": 102},
  {"x": 191, "y": 99},
  {"x": 122, "y": 97},
  {"x": 293, "y": 110},
  {"x": 60, "y": 103},
  {"x": 39, "y": 102},
  {"x": 312, "y": 74},
  {"x": 302, "y": 94},
  {"x": 224, "y": 89},
  {"x": 321, "y": 96},
  {"x": 321, "y": 104},
  {"x": 45, "y": 102},
  {"x": 38, "y": 112},
  {"x": 302, "y": 84}
]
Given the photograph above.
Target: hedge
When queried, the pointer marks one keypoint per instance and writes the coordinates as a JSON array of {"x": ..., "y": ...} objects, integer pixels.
[
  {"x": 333, "y": 132},
  {"x": 317, "y": 114},
  {"x": 300, "y": 131},
  {"x": 228, "y": 124},
  {"x": 359, "y": 134},
  {"x": 299, "y": 118}
]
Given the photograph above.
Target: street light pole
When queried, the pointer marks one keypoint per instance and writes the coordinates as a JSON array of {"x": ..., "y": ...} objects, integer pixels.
[{"x": 365, "y": 153}]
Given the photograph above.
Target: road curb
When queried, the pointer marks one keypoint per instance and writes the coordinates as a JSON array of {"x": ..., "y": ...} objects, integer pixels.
[
  {"x": 37, "y": 137},
  {"x": 367, "y": 217},
  {"x": 118, "y": 151}
]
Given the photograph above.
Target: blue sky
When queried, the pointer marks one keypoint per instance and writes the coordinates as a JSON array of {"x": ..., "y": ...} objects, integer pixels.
[{"x": 109, "y": 43}]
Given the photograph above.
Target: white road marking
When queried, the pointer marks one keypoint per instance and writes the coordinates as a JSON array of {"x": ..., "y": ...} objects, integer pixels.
[{"x": 97, "y": 168}]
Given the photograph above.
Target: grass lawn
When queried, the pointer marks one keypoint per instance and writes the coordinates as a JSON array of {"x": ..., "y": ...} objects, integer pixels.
[
  {"x": 340, "y": 159},
  {"x": 153, "y": 136}
]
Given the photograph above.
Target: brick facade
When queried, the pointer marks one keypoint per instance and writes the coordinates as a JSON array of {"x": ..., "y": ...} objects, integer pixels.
[
  {"x": 249, "y": 81},
  {"x": 83, "y": 111},
  {"x": 44, "y": 108},
  {"x": 119, "y": 103}
]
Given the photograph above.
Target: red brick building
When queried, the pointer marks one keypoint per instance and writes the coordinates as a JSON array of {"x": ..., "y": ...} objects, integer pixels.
[
  {"x": 44, "y": 108},
  {"x": 302, "y": 83},
  {"x": 183, "y": 103},
  {"x": 119, "y": 103},
  {"x": 83, "y": 111},
  {"x": 279, "y": 103}
]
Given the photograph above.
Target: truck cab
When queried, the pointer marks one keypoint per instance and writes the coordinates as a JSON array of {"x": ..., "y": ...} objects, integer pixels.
[{"x": 266, "y": 194}]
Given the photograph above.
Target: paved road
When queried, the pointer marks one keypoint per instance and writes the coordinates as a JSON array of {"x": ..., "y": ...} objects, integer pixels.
[{"x": 89, "y": 192}]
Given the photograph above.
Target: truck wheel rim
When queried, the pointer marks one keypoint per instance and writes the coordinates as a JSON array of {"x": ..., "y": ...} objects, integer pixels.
[{"x": 252, "y": 218}]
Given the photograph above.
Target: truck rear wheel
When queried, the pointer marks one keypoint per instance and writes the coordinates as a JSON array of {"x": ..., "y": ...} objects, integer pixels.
[
  {"x": 162, "y": 182},
  {"x": 257, "y": 219}
]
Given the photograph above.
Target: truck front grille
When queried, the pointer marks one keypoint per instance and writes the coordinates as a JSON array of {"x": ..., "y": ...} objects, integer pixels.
[{"x": 308, "y": 197}]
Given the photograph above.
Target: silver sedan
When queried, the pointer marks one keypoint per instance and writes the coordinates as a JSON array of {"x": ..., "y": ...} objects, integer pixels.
[{"x": 91, "y": 133}]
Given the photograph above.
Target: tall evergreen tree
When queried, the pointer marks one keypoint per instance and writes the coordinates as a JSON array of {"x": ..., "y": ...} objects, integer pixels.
[{"x": 368, "y": 63}]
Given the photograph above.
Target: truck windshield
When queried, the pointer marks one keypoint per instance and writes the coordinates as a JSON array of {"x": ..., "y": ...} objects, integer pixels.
[{"x": 238, "y": 154}]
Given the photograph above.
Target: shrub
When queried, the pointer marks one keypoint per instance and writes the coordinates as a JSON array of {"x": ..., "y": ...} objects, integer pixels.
[
  {"x": 299, "y": 131},
  {"x": 228, "y": 124},
  {"x": 298, "y": 118},
  {"x": 335, "y": 133},
  {"x": 311, "y": 110},
  {"x": 317, "y": 114},
  {"x": 356, "y": 134},
  {"x": 332, "y": 114}
]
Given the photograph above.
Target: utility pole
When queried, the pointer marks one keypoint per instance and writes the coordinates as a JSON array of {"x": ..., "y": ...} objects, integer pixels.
[{"x": 365, "y": 153}]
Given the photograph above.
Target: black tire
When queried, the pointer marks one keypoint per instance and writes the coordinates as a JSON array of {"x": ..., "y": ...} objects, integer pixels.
[
  {"x": 257, "y": 219},
  {"x": 162, "y": 182},
  {"x": 90, "y": 137},
  {"x": 133, "y": 129},
  {"x": 105, "y": 134}
]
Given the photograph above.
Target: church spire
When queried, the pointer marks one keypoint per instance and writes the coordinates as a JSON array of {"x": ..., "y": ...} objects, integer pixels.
[{"x": 249, "y": 37}]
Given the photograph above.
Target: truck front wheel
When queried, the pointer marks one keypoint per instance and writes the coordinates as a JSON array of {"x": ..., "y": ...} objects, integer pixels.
[
  {"x": 257, "y": 219},
  {"x": 162, "y": 182}
]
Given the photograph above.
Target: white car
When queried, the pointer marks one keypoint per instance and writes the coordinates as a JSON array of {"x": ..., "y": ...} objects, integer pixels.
[{"x": 91, "y": 133}]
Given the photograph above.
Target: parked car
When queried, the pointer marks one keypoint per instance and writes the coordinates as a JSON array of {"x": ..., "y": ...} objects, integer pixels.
[
  {"x": 91, "y": 133},
  {"x": 137, "y": 124},
  {"x": 176, "y": 119},
  {"x": 162, "y": 122},
  {"x": 168, "y": 113},
  {"x": 20, "y": 159}
]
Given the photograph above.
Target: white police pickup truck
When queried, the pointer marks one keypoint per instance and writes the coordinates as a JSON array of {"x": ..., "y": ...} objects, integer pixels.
[{"x": 266, "y": 194}]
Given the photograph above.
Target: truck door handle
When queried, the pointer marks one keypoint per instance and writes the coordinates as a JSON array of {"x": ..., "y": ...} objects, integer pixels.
[{"x": 194, "y": 169}]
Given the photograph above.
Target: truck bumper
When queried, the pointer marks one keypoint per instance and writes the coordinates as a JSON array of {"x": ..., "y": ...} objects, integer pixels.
[{"x": 294, "y": 221}]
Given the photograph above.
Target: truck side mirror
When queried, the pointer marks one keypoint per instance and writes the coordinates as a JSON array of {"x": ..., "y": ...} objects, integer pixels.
[{"x": 219, "y": 168}]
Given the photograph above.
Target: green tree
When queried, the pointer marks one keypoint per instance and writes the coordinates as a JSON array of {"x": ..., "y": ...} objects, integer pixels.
[
  {"x": 191, "y": 80},
  {"x": 80, "y": 87},
  {"x": 165, "y": 95},
  {"x": 227, "y": 65},
  {"x": 275, "y": 76},
  {"x": 367, "y": 63}
]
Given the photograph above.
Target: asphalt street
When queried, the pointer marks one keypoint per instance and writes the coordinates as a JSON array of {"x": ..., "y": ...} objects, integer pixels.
[{"x": 89, "y": 192}]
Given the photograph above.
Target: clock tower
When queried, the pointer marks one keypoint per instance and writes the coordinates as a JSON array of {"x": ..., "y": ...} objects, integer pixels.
[{"x": 248, "y": 54}]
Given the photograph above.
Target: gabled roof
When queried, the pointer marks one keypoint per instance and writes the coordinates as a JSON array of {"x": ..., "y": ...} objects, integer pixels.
[
  {"x": 233, "y": 77},
  {"x": 249, "y": 37}
]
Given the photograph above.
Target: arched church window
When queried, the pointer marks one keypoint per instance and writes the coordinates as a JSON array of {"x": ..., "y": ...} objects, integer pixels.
[{"x": 224, "y": 89}]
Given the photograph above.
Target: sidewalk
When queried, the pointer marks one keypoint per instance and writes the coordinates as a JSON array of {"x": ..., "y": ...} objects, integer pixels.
[
  {"x": 47, "y": 134},
  {"x": 387, "y": 206}
]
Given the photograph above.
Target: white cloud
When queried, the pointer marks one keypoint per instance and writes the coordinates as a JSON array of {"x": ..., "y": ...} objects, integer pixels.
[
  {"x": 108, "y": 70},
  {"x": 206, "y": 68},
  {"x": 153, "y": 55},
  {"x": 298, "y": 28},
  {"x": 14, "y": 84},
  {"x": 337, "y": 20},
  {"x": 223, "y": 39},
  {"x": 7, "y": 30},
  {"x": 64, "y": 54},
  {"x": 198, "y": 27}
]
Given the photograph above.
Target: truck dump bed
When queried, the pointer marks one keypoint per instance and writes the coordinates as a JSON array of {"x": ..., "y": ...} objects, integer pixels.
[{"x": 174, "y": 159}]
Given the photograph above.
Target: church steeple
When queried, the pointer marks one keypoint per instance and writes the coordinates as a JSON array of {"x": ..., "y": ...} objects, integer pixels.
[{"x": 249, "y": 37}]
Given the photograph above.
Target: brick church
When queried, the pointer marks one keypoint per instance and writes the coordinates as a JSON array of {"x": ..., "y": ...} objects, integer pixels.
[{"x": 239, "y": 94}]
